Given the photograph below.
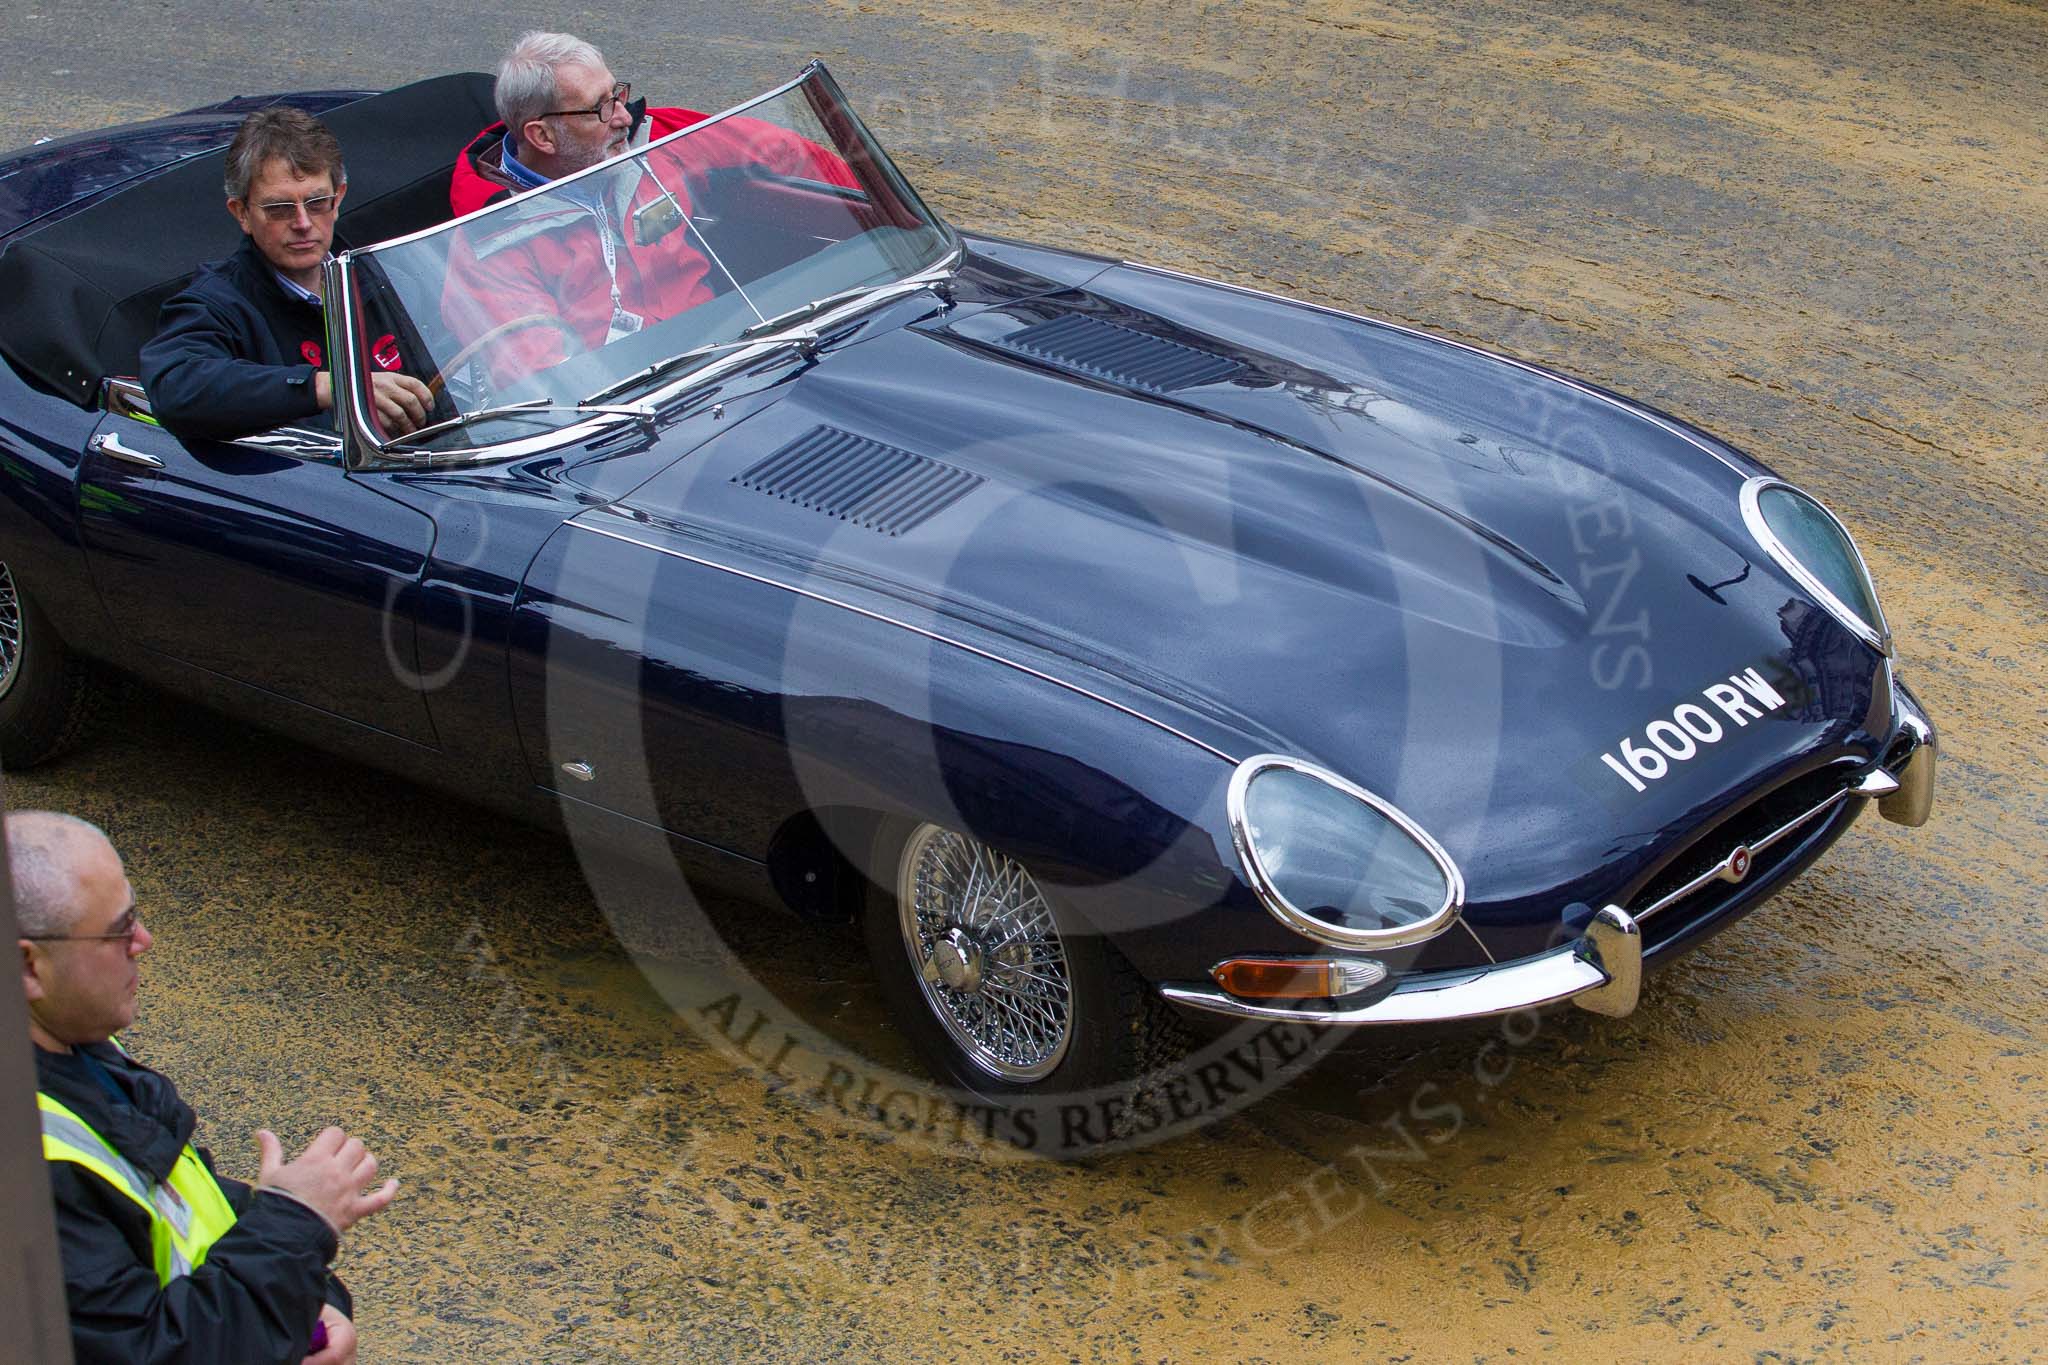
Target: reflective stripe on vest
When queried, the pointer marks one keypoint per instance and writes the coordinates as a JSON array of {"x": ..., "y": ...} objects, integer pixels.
[{"x": 187, "y": 1213}]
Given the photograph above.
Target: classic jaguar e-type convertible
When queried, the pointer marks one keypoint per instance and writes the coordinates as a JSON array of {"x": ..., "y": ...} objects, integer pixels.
[{"x": 1132, "y": 650}]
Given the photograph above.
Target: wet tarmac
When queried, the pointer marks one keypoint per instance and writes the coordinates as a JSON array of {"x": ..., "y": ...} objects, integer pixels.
[{"x": 1821, "y": 233}]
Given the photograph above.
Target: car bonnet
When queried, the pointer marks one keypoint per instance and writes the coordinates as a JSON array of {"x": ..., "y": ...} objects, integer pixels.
[{"x": 1460, "y": 585}]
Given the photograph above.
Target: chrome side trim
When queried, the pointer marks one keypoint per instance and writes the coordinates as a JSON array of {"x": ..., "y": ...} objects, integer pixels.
[
  {"x": 297, "y": 443},
  {"x": 1611, "y": 400},
  {"x": 913, "y": 629},
  {"x": 1299, "y": 920},
  {"x": 1876, "y": 633}
]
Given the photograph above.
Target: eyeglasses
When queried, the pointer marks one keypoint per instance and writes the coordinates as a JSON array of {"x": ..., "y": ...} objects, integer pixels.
[
  {"x": 126, "y": 927},
  {"x": 287, "y": 210},
  {"x": 603, "y": 108}
]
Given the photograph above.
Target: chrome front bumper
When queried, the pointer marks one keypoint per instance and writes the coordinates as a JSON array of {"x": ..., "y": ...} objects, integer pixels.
[{"x": 1603, "y": 970}]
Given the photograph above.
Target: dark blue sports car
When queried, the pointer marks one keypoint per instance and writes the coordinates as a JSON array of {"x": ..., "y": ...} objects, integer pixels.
[{"x": 1131, "y": 651}]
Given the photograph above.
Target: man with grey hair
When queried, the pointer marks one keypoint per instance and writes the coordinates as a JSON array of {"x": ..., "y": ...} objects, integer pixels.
[
  {"x": 163, "y": 1259},
  {"x": 613, "y": 253},
  {"x": 241, "y": 348},
  {"x": 560, "y": 111}
]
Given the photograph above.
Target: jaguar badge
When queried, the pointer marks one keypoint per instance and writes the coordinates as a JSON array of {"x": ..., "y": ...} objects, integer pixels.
[{"x": 1737, "y": 866}]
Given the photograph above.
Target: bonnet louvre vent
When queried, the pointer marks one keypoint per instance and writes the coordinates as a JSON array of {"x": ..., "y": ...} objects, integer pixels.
[
  {"x": 1108, "y": 350},
  {"x": 850, "y": 477}
]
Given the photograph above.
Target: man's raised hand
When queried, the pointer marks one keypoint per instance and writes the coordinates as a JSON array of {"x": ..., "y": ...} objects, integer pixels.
[{"x": 328, "y": 1177}]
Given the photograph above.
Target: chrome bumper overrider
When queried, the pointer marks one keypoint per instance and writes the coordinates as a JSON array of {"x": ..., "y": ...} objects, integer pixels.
[
  {"x": 1603, "y": 970},
  {"x": 1911, "y": 804}
]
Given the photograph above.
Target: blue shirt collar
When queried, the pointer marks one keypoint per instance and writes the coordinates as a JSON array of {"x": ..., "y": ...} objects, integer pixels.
[
  {"x": 295, "y": 289},
  {"x": 528, "y": 179},
  {"x": 590, "y": 193}
]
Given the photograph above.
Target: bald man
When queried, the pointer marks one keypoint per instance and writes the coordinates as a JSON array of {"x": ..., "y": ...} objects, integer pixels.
[{"x": 163, "y": 1259}]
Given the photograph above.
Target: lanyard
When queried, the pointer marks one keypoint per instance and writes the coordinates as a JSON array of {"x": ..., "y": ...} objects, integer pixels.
[{"x": 611, "y": 256}]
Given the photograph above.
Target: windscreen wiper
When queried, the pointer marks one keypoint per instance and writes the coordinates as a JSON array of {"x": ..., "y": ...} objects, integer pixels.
[
  {"x": 878, "y": 292},
  {"x": 758, "y": 333},
  {"x": 529, "y": 405},
  {"x": 800, "y": 312},
  {"x": 805, "y": 341}
]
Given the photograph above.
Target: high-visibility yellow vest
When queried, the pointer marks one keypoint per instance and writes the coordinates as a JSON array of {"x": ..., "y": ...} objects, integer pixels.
[{"x": 188, "y": 1212}]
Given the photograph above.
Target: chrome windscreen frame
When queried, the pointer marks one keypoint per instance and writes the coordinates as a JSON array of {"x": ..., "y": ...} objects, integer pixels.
[
  {"x": 1876, "y": 633},
  {"x": 1299, "y": 920},
  {"x": 363, "y": 449}
]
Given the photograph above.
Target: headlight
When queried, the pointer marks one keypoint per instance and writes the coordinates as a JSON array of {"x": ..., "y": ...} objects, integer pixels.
[
  {"x": 1814, "y": 548},
  {"x": 1336, "y": 863}
]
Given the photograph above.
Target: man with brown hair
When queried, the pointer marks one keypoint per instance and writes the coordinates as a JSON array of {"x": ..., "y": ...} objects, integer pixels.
[
  {"x": 163, "y": 1260},
  {"x": 242, "y": 348}
]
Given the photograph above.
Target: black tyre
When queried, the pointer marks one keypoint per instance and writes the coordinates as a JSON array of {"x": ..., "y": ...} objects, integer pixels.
[
  {"x": 47, "y": 693},
  {"x": 1004, "y": 994}
]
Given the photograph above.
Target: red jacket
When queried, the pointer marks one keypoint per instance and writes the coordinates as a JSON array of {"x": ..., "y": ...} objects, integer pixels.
[{"x": 545, "y": 257}]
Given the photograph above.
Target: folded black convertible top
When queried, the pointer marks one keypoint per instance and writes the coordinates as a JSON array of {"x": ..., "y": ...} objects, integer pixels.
[{"x": 82, "y": 293}]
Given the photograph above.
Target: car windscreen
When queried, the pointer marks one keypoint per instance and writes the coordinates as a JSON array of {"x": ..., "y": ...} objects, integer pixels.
[{"x": 609, "y": 284}]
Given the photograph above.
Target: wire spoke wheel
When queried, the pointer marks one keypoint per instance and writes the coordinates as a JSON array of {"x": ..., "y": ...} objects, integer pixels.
[
  {"x": 10, "y": 631},
  {"x": 47, "y": 694},
  {"x": 986, "y": 952}
]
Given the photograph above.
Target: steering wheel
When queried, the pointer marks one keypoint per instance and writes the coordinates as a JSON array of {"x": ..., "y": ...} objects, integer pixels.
[{"x": 477, "y": 343}]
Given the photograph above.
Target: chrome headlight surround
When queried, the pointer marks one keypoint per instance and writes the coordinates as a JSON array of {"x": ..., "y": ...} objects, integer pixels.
[
  {"x": 1299, "y": 919},
  {"x": 1875, "y": 633}
]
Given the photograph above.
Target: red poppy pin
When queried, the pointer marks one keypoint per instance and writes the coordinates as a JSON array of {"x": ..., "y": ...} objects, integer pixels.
[
  {"x": 311, "y": 350},
  {"x": 384, "y": 351}
]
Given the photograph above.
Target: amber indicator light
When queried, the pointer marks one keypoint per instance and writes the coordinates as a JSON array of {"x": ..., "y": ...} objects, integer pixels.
[{"x": 1256, "y": 978}]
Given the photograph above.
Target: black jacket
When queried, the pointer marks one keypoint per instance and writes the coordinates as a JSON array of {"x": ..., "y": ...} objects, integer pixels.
[
  {"x": 231, "y": 355},
  {"x": 261, "y": 1288}
]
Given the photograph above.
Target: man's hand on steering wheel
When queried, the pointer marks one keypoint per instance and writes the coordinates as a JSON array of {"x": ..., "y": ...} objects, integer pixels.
[{"x": 401, "y": 402}]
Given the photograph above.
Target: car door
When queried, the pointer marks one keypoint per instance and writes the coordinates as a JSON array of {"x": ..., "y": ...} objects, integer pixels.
[{"x": 262, "y": 560}]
